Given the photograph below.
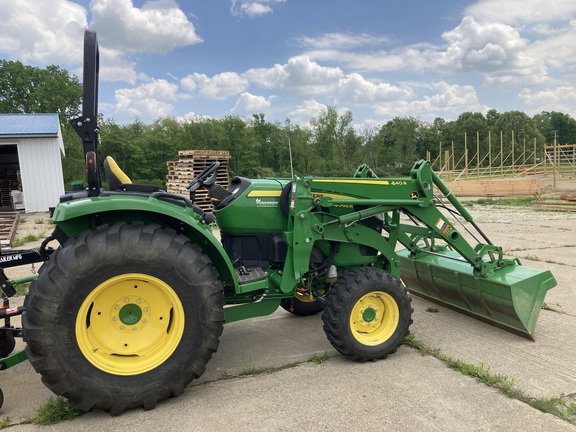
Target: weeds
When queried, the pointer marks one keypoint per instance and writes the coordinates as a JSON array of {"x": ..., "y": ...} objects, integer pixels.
[
  {"x": 255, "y": 370},
  {"x": 5, "y": 422},
  {"x": 432, "y": 310},
  {"x": 56, "y": 410},
  {"x": 319, "y": 359},
  {"x": 23, "y": 240},
  {"x": 517, "y": 202},
  {"x": 561, "y": 406},
  {"x": 39, "y": 221}
]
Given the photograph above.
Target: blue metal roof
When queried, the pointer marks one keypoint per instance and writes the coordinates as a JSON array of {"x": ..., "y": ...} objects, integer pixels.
[{"x": 28, "y": 124}]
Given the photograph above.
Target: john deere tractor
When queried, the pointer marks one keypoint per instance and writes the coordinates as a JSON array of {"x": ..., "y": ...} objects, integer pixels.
[{"x": 130, "y": 307}]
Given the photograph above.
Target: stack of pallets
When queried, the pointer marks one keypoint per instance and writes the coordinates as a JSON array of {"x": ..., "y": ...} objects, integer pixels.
[
  {"x": 190, "y": 163},
  {"x": 9, "y": 181}
]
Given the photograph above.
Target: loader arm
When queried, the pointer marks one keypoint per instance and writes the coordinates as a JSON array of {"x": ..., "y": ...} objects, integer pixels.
[{"x": 438, "y": 261}]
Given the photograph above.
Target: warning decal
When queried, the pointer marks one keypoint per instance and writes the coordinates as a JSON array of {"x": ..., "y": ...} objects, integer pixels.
[{"x": 444, "y": 227}]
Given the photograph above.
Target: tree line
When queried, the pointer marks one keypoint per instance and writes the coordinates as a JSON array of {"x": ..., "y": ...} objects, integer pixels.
[{"x": 329, "y": 146}]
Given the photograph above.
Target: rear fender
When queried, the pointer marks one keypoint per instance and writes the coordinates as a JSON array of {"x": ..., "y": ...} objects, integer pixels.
[{"x": 76, "y": 216}]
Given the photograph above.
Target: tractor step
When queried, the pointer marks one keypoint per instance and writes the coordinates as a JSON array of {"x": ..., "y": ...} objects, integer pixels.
[{"x": 246, "y": 275}]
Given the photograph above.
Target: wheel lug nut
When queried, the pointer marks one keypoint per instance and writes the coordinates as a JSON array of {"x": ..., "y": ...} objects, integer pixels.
[
  {"x": 134, "y": 328},
  {"x": 121, "y": 327}
]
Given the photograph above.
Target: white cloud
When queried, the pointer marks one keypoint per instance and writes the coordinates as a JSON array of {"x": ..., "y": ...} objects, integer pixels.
[
  {"x": 158, "y": 27},
  {"x": 496, "y": 51},
  {"x": 248, "y": 103},
  {"x": 445, "y": 98},
  {"x": 192, "y": 117},
  {"x": 253, "y": 8},
  {"x": 299, "y": 77},
  {"x": 354, "y": 88},
  {"x": 46, "y": 32},
  {"x": 528, "y": 11},
  {"x": 549, "y": 97},
  {"x": 218, "y": 87},
  {"x": 148, "y": 101},
  {"x": 558, "y": 50},
  {"x": 341, "y": 41},
  {"x": 304, "y": 112}
]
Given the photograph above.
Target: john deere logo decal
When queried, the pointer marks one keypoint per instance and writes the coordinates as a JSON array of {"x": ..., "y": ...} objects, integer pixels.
[
  {"x": 414, "y": 195},
  {"x": 266, "y": 203}
]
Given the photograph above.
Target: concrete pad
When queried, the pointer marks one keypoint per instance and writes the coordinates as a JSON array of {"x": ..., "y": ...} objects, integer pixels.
[
  {"x": 405, "y": 392},
  {"x": 543, "y": 368},
  {"x": 270, "y": 341}
]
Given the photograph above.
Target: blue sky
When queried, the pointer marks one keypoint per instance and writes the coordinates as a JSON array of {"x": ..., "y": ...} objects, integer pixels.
[{"x": 293, "y": 58}]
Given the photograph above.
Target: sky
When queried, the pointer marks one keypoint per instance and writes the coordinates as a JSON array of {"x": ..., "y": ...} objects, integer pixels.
[{"x": 380, "y": 59}]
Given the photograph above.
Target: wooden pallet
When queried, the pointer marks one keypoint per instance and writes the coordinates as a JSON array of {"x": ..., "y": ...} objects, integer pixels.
[
  {"x": 563, "y": 206},
  {"x": 8, "y": 225},
  {"x": 190, "y": 163}
]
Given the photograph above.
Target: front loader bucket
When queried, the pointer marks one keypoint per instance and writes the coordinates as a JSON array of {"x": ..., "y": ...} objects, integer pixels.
[{"x": 510, "y": 299}]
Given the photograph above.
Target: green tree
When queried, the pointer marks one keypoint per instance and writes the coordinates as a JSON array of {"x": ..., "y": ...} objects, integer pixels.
[
  {"x": 28, "y": 89},
  {"x": 517, "y": 129},
  {"x": 398, "y": 142},
  {"x": 556, "y": 126},
  {"x": 332, "y": 141}
]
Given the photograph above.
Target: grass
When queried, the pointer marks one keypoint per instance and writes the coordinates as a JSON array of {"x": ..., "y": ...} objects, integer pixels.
[
  {"x": 257, "y": 370},
  {"x": 532, "y": 257},
  {"x": 55, "y": 410},
  {"x": 22, "y": 289},
  {"x": 563, "y": 407},
  {"x": 517, "y": 202},
  {"x": 5, "y": 422},
  {"x": 432, "y": 310},
  {"x": 319, "y": 359},
  {"x": 27, "y": 239},
  {"x": 39, "y": 221}
]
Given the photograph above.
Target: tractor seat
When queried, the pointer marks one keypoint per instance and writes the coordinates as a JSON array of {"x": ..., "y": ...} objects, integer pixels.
[{"x": 119, "y": 181}]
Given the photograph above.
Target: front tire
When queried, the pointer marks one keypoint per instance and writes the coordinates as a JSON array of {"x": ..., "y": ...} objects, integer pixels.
[
  {"x": 123, "y": 316},
  {"x": 367, "y": 314}
]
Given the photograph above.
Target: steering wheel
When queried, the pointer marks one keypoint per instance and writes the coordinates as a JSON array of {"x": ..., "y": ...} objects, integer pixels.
[{"x": 205, "y": 178}]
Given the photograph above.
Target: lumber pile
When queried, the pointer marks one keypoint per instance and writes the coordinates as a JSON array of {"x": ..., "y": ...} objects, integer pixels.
[
  {"x": 190, "y": 163},
  {"x": 566, "y": 203},
  {"x": 504, "y": 187}
]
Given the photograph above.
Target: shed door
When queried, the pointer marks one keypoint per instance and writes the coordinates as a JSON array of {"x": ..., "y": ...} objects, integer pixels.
[{"x": 9, "y": 178}]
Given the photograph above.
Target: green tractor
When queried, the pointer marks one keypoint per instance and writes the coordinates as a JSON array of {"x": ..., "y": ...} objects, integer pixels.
[{"x": 130, "y": 307}]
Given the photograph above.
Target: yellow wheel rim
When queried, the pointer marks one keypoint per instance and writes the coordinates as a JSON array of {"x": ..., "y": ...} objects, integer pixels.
[
  {"x": 130, "y": 324},
  {"x": 374, "y": 318}
]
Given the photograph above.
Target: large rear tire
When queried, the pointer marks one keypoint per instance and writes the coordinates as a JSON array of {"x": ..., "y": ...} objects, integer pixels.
[
  {"x": 123, "y": 316},
  {"x": 367, "y": 314}
]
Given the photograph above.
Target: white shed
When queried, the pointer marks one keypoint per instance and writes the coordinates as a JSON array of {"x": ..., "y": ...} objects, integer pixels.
[{"x": 31, "y": 151}]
